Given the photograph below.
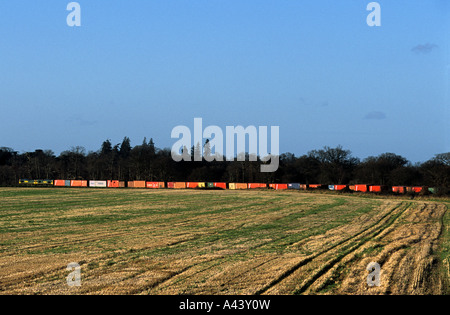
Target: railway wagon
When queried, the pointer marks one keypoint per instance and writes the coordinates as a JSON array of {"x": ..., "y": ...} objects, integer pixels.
[
  {"x": 98, "y": 183},
  {"x": 378, "y": 188},
  {"x": 176, "y": 185},
  {"x": 179, "y": 185},
  {"x": 136, "y": 184},
  {"x": 113, "y": 183},
  {"x": 399, "y": 189},
  {"x": 78, "y": 183},
  {"x": 220, "y": 185},
  {"x": 237, "y": 186},
  {"x": 61, "y": 183},
  {"x": 293, "y": 186},
  {"x": 416, "y": 189},
  {"x": 317, "y": 186},
  {"x": 256, "y": 185},
  {"x": 360, "y": 188},
  {"x": 155, "y": 185},
  {"x": 192, "y": 185},
  {"x": 337, "y": 187},
  {"x": 36, "y": 182},
  {"x": 278, "y": 186}
]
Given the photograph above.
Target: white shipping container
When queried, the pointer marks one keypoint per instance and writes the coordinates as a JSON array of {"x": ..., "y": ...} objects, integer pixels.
[{"x": 97, "y": 183}]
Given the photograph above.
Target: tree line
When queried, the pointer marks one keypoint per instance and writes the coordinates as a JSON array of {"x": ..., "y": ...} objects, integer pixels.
[{"x": 147, "y": 162}]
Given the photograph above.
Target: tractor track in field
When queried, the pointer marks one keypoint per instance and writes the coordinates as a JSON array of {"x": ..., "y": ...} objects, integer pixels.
[
  {"x": 407, "y": 260},
  {"x": 378, "y": 226}
]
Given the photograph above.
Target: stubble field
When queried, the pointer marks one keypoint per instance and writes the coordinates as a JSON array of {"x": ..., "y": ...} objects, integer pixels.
[{"x": 219, "y": 242}]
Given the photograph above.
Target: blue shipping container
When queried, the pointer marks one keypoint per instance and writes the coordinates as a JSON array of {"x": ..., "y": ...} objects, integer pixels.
[
  {"x": 67, "y": 183},
  {"x": 294, "y": 186},
  {"x": 331, "y": 187}
]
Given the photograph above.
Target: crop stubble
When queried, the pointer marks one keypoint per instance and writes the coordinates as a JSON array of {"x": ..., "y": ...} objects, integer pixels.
[{"x": 216, "y": 242}]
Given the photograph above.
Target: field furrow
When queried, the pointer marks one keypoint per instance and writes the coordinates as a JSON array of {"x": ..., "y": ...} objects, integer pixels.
[{"x": 217, "y": 242}]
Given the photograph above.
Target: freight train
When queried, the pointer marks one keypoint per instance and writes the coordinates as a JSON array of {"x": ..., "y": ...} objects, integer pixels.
[{"x": 221, "y": 185}]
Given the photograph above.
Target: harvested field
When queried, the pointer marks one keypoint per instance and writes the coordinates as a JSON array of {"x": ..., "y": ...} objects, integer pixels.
[{"x": 219, "y": 242}]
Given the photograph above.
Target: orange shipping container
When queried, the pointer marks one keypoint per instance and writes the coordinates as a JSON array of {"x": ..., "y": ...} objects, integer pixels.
[
  {"x": 179, "y": 185},
  {"x": 256, "y": 185},
  {"x": 241, "y": 186},
  {"x": 78, "y": 183},
  {"x": 139, "y": 184}
]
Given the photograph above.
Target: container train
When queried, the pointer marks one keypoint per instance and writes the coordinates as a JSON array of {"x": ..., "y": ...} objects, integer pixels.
[{"x": 221, "y": 185}]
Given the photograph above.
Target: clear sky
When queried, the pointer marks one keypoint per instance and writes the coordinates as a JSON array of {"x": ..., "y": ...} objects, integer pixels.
[{"x": 313, "y": 67}]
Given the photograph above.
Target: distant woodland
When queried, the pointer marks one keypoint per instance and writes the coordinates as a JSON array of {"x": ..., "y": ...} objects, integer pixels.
[{"x": 147, "y": 162}]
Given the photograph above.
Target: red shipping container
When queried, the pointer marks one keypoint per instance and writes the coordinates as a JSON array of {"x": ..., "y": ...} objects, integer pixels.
[
  {"x": 192, "y": 185},
  {"x": 417, "y": 189},
  {"x": 155, "y": 185},
  {"x": 414, "y": 189},
  {"x": 399, "y": 189},
  {"x": 340, "y": 187},
  {"x": 220, "y": 185},
  {"x": 279, "y": 186},
  {"x": 375, "y": 188},
  {"x": 113, "y": 184},
  {"x": 170, "y": 185},
  {"x": 59, "y": 183},
  {"x": 361, "y": 188}
]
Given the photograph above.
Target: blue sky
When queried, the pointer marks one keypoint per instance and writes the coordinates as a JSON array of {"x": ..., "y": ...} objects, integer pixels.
[{"x": 139, "y": 68}]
